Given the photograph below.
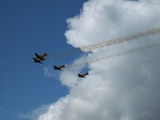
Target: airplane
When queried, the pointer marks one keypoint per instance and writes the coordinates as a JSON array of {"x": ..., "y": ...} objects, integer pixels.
[
  {"x": 83, "y": 75},
  {"x": 58, "y": 67},
  {"x": 38, "y": 61},
  {"x": 41, "y": 57}
]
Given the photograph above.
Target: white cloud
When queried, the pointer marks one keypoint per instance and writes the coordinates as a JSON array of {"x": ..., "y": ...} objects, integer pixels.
[
  {"x": 122, "y": 93},
  {"x": 35, "y": 113},
  {"x": 55, "y": 110},
  {"x": 49, "y": 72},
  {"x": 47, "y": 112}
]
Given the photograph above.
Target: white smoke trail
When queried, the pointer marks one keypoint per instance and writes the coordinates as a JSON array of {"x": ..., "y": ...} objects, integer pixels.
[
  {"x": 126, "y": 66},
  {"x": 120, "y": 40},
  {"x": 103, "y": 44},
  {"x": 73, "y": 50},
  {"x": 118, "y": 54},
  {"x": 63, "y": 54}
]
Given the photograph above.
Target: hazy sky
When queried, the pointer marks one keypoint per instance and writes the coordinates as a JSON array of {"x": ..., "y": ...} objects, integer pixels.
[{"x": 123, "y": 81}]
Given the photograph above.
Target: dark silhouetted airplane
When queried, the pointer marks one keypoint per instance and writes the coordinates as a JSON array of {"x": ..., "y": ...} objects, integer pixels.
[
  {"x": 37, "y": 61},
  {"x": 41, "y": 57},
  {"x": 58, "y": 67},
  {"x": 83, "y": 75}
]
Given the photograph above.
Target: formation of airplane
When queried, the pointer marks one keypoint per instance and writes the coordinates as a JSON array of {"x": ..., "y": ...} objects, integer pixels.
[
  {"x": 62, "y": 66},
  {"x": 83, "y": 75},
  {"x": 40, "y": 58}
]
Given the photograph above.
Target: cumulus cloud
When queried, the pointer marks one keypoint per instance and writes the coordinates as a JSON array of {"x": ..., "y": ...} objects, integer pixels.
[
  {"x": 35, "y": 113},
  {"x": 48, "y": 72},
  {"x": 113, "y": 90}
]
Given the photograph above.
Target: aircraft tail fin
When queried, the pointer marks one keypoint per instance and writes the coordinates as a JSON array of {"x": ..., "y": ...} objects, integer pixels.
[
  {"x": 45, "y": 54},
  {"x": 63, "y": 65},
  {"x": 79, "y": 75}
]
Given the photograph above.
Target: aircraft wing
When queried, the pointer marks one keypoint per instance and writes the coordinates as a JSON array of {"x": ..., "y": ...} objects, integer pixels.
[{"x": 37, "y": 55}]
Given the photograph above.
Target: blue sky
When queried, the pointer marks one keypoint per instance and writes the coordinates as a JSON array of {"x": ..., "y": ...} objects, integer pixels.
[{"x": 26, "y": 27}]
